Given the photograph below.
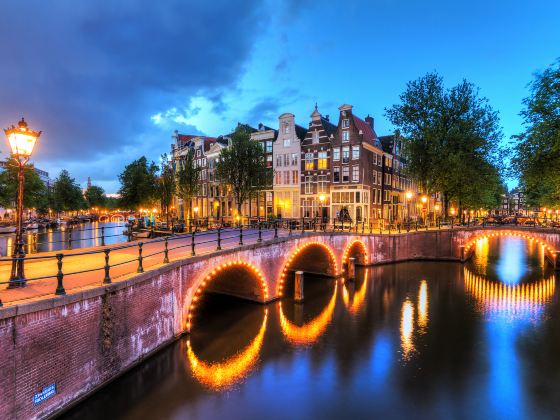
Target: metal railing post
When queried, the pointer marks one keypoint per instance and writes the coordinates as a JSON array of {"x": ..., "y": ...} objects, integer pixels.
[
  {"x": 240, "y": 234},
  {"x": 107, "y": 278},
  {"x": 70, "y": 237},
  {"x": 165, "y": 251},
  {"x": 275, "y": 230},
  {"x": 59, "y": 276},
  {"x": 302, "y": 225},
  {"x": 140, "y": 267},
  {"x": 260, "y": 234},
  {"x": 193, "y": 243},
  {"x": 102, "y": 235},
  {"x": 219, "y": 247}
]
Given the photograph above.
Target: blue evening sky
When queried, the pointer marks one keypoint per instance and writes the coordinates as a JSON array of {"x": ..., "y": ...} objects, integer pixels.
[{"x": 110, "y": 83}]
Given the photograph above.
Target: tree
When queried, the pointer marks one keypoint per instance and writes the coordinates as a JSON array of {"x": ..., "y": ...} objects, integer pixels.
[
  {"x": 243, "y": 166},
  {"x": 95, "y": 197},
  {"x": 35, "y": 193},
  {"x": 138, "y": 184},
  {"x": 188, "y": 180},
  {"x": 536, "y": 157},
  {"x": 67, "y": 194},
  {"x": 166, "y": 186},
  {"x": 451, "y": 141}
]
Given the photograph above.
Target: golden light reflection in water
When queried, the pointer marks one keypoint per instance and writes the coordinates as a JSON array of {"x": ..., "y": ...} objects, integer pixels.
[
  {"x": 481, "y": 252},
  {"x": 515, "y": 300},
  {"x": 423, "y": 306},
  {"x": 407, "y": 328},
  {"x": 310, "y": 332},
  {"x": 358, "y": 298},
  {"x": 225, "y": 374}
]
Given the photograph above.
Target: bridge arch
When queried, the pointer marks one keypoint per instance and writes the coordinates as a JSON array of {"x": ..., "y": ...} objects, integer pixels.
[
  {"x": 234, "y": 278},
  {"x": 311, "y": 256},
  {"x": 355, "y": 249},
  {"x": 549, "y": 249}
]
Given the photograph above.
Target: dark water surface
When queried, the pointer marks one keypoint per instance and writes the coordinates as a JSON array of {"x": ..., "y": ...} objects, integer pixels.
[{"x": 412, "y": 340}]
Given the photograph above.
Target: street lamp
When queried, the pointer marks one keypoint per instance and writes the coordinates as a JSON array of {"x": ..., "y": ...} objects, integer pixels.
[
  {"x": 436, "y": 211},
  {"x": 408, "y": 196},
  {"x": 22, "y": 141},
  {"x": 424, "y": 200}
]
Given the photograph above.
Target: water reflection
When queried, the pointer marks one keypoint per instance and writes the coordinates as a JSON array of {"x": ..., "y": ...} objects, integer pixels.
[
  {"x": 407, "y": 328},
  {"x": 423, "y": 306},
  {"x": 309, "y": 332},
  {"x": 354, "y": 304},
  {"x": 225, "y": 374}
]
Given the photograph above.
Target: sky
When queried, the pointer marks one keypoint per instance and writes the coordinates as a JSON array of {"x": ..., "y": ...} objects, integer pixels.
[{"x": 108, "y": 82}]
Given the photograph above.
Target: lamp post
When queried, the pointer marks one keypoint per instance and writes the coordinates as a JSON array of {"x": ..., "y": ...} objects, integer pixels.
[
  {"x": 322, "y": 199},
  {"x": 408, "y": 196},
  {"x": 22, "y": 141},
  {"x": 424, "y": 200},
  {"x": 436, "y": 211}
]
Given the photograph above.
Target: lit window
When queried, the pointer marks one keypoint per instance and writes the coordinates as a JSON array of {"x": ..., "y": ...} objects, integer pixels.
[
  {"x": 345, "y": 174},
  {"x": 322, "y": 164}
]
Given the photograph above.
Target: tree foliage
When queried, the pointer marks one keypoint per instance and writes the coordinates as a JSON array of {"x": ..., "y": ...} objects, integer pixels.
[
  {"x": 536, "y": 157},
  {"x": 243, "y": 167},
  {"x": 188, "y": 179},
  {"x": 35, "y": 191},
  {"x": 166, "y": 186},
  {"x": 67, "y": 194},
  {"x": 95, "y": 197},
  {"x": 138, "y": 184},
  {"x": 451, "y": 141}
]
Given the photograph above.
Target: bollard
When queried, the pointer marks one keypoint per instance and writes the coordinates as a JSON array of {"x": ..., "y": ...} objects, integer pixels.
[
  {"x": 140, "y": 268},
  {"x": 59, "y": 276},
  {"x": 289, "y": 228},
  {"x": 165, "y": 251},
  {"x": 107, "y": 278},
  {"x": 219, "y": 247},
  {"x": 351, "y": 268},
  {"x": 298, "y": 287},
  {"x": 192, "y": 243},
  {"x": 102, "y": 235},
  {"x": 240, "y": 234}
]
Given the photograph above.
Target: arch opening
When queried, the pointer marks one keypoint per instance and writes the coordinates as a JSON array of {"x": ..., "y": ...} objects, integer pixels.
[
  {"x": 314, "y": 258},
  {"x": 237, "y": 280},
  {"x": 357, "y": 250}
]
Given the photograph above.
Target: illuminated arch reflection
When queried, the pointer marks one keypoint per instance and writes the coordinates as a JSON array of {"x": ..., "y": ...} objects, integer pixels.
[
  {"x": 519, "y": 300},
  {"x": 407, "y": 329},
  {"x": 359, "y": 297},
  {"x": 310, "y": 332},
  {"x": 222, "y": 375}
]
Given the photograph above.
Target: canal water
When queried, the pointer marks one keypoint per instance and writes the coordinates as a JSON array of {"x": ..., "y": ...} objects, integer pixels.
[
  {"x": 412, "y": 340},
  {"x": 55, "y": 239}
]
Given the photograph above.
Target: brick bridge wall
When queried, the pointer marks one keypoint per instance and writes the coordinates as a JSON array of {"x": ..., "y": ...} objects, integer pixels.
[{"x": 82, "y": 340}]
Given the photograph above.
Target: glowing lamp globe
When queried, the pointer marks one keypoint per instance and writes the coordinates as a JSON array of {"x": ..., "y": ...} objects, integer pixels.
[
  {"x": 22, "y": 140},
  {"x": 322, "y": 198},
  {"x": 408, "y": 195},
  {"x": 424, "y": 199}
]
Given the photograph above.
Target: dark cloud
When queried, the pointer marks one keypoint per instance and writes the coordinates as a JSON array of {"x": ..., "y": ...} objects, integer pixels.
[{"x": 91, "y": 73}]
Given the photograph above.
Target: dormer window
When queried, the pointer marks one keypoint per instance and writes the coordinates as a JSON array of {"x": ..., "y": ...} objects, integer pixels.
[
  {"x": 345, "y": 136},
  {"x": 197, "y": 152},
  {"x": 345, "y": 123},
  {"x": 286, "y": 128}
]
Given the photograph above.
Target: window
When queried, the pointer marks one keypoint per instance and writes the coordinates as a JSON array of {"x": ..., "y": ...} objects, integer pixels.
[
  {"x": 388, "y": 179},
  {"x": 379, "y": 178},
  {"x": 295, "y": 179},
  {"x": 345, "y": 174},
  {"x": 269, "y": 161},
  {"x": 278, "y": 179},
  {"x": 355, "y": 152},
  {"x": 336, "y": 174},
  {"x": 345, "y": 154},
  {"x": 322, "y": 183},
  {"x": 197, "y": 152},
  {"x": 309, "y": 161},
  {"x": 294, "y": 159},
  {"x": 378, "y": 196},
  {"x": 345, "y": 136},
  {"x": 322, "y": 163},
  {"x": 315, "y": 138},
  {"x": 345, "y": 123},
  {"x": 308, "y": 185},
  {"x": 268, "y": 147},
  {"x": 374, "y": 177},
  {"x": 286, "y": 177},
  {"x": 286, "y": 142},
  {"x": 286, "y": 129},
  {"x": 279, "y": 160},
  {"x": 286, "y": 160},
  {"x": 355, "y": 173},
  {"x": 336, "y": 154},
  {"x": 374, "y": 196},
  {"x": 386, "y": 195}
]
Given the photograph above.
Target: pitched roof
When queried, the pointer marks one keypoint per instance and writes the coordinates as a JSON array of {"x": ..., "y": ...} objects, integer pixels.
[
  {"x": 300, "y": 131},
  {"x": 369, "y": 134},
  {"x": 329, "y": 127},
  {"x": 387, "y": 142}
]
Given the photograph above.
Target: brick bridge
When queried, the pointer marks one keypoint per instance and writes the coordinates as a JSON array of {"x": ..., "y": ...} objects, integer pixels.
[{"x": 84, "y": 339}]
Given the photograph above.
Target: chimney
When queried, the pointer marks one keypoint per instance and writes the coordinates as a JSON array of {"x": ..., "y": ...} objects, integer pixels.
[
  {"x": 369, "y": 120},
  {"x": 261, "y": 126},
  {"x": 327, "y": 117}
]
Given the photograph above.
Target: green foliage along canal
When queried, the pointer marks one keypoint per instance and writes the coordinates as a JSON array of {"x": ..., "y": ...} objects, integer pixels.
[{"x": 411, "y": 340}]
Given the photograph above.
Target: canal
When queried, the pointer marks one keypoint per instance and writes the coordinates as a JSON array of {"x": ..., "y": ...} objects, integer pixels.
[
  {"x": 79, "y": 236},
  {"x": 410, "y": 340}
]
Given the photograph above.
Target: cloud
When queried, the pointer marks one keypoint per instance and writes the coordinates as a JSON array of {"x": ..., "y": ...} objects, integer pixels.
[{"x": 95, "y": 76}]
